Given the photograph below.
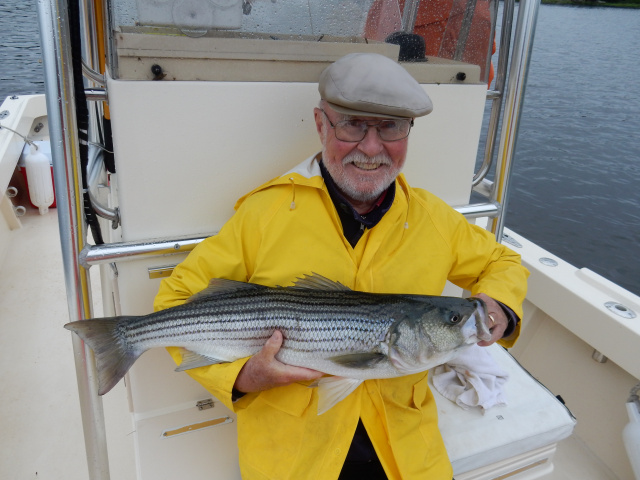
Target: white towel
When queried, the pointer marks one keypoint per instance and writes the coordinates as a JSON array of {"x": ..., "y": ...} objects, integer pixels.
[{"x": 472, "y": 379}]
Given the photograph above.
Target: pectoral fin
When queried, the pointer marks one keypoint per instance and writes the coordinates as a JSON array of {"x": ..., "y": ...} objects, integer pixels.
[
  {"x": 332, "y": 390},
  {"x": 359, "y": 360}
]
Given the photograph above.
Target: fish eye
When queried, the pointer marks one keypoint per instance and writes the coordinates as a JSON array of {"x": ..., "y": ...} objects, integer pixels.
[{"x": 455, "y": 318}]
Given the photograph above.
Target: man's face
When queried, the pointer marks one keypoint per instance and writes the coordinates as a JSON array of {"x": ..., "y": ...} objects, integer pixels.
[{"x": 361, "y": 170}]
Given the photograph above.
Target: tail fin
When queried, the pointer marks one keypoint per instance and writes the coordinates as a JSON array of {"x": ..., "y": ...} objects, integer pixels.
[{"x": 113, "y": 356}]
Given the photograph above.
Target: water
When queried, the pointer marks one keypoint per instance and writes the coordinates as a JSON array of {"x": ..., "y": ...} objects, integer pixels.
[
  {"x": 576, "y": 176},
  {"x": 21, "y": 70},
  {"x": 576, "y": 180}
]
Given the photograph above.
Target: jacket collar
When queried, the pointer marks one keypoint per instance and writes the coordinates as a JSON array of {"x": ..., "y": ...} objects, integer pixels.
[{"x": 308, "y": 174}]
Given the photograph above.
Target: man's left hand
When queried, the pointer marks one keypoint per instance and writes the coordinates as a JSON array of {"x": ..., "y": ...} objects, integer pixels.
[{"x": 497, "y": 320}]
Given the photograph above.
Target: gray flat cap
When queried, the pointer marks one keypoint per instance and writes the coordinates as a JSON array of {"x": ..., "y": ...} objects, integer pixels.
[{"x": 369, "y": 84}]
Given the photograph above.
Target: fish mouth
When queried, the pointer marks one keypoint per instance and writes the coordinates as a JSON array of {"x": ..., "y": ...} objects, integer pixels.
[{"x": 483, "y": 332}]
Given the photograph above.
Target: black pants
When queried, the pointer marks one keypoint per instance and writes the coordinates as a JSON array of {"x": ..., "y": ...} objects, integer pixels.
[
  {"x": 362, "y": 462},
  {"x": 363, "y": 471},
  {"x": 360, "y": 471}
]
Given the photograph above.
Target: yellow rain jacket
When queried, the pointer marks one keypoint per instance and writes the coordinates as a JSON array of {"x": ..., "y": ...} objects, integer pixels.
[{"x": 289, "y": 227}]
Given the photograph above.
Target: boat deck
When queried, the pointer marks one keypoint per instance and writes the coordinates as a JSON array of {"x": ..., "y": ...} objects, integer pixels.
[
  {"x": 40, "y": 410},
  {"x": 39, "y": 407}
]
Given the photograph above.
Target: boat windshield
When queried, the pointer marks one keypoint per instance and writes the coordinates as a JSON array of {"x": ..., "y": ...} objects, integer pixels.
[{"x": 459, "y": 30}]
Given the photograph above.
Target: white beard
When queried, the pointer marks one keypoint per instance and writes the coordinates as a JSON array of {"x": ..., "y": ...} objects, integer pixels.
[{"x": 363, "y": 189}]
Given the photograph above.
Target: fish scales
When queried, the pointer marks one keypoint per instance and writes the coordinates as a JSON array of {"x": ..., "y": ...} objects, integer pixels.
[
  {"x": 253, "y": 316},
  {"x": 351, "y": 335},
  {"x": 311, "y": 332},
  {"x": 288, "y": 310}
]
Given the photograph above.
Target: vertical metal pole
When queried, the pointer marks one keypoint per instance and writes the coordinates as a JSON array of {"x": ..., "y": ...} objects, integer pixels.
[
  {"x": 497, "y": 95},
  {"x": 409, "y": 15},
  {"x": 520, "y": 58},
  {"x": 112, "y": 58},
  {"x": 90, "y": 57},
  {"x": 465, "y": 28},
  {"x": 54, "y": 36}
]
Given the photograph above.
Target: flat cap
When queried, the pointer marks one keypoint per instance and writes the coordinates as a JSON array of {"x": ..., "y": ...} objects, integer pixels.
[{"x": 369, "y": 84}]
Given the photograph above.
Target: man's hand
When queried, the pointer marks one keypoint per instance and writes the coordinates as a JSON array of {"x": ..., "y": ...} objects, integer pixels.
[
  {"x": 263, "y": 371},
  {"x": 497, "y": 321}
]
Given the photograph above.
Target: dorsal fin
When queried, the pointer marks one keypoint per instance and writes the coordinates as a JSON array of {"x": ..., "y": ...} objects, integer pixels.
[
  {"x": 219, "y": 286},
  {"x": 318, "y": 282}
]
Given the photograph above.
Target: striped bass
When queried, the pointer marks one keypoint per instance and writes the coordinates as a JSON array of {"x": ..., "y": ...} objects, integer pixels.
[{"x": 351, "y": 335}]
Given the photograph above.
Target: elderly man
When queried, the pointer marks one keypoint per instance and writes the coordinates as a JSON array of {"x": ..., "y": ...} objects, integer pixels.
[{"x": 348, "y": 214}]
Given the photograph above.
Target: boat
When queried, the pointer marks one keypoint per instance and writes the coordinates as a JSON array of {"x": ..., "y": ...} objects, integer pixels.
[{"x": 186, "y": 105}]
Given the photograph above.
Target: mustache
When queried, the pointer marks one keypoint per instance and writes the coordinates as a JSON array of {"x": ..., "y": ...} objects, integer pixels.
[{"x": 359, "y": 157}]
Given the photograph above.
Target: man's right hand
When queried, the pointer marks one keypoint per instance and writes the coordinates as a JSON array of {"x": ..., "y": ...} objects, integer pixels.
[{"x": 263, "y": 371}]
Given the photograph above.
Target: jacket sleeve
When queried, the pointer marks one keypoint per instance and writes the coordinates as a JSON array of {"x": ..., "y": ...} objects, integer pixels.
[
  {"x": 482, "y": 265},
  {"x": 225, "y": 255}
]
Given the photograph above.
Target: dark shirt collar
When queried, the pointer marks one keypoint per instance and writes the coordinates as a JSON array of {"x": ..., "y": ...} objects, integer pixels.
[{"x": 354, "y": 224}]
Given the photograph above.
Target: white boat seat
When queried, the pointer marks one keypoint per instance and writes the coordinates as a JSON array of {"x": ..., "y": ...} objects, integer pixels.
[{"x": 517, "y": 438}]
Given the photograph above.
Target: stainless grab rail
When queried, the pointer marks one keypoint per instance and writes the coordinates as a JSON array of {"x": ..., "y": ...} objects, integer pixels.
[
  {"x": 91, "y": 74},
  {"x": 53, "y": 21},
  {"x": 514, "y": 97},
  {"x": 496, "y": 95},
  {"x": 120, "y": 252}
]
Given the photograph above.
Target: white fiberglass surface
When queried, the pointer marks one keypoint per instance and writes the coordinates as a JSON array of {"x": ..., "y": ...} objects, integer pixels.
[{"x": 185, "y": 160}]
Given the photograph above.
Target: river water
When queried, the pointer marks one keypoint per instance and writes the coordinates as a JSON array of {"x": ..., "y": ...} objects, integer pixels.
[
  {"x": 21, "y": 70},
  {"x": 576, "y": 179}
]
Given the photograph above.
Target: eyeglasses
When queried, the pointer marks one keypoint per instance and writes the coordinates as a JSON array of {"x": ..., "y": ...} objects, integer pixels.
[{"x": 354, "y": 130}]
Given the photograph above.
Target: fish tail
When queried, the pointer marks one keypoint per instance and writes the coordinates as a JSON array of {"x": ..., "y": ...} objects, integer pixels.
[{"x": 113, "y": 355}]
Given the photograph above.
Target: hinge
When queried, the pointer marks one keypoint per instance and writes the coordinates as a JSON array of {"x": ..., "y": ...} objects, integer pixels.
[{"x": 205, "y": 404}]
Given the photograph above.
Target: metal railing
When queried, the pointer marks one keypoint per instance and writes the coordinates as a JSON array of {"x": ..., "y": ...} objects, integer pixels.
[
  {"x": 513, "y": 101},
  {"x": 119, "y": 252},
  {"x": 497, "y": 94},
  {"x": 53, "y": 21}
]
